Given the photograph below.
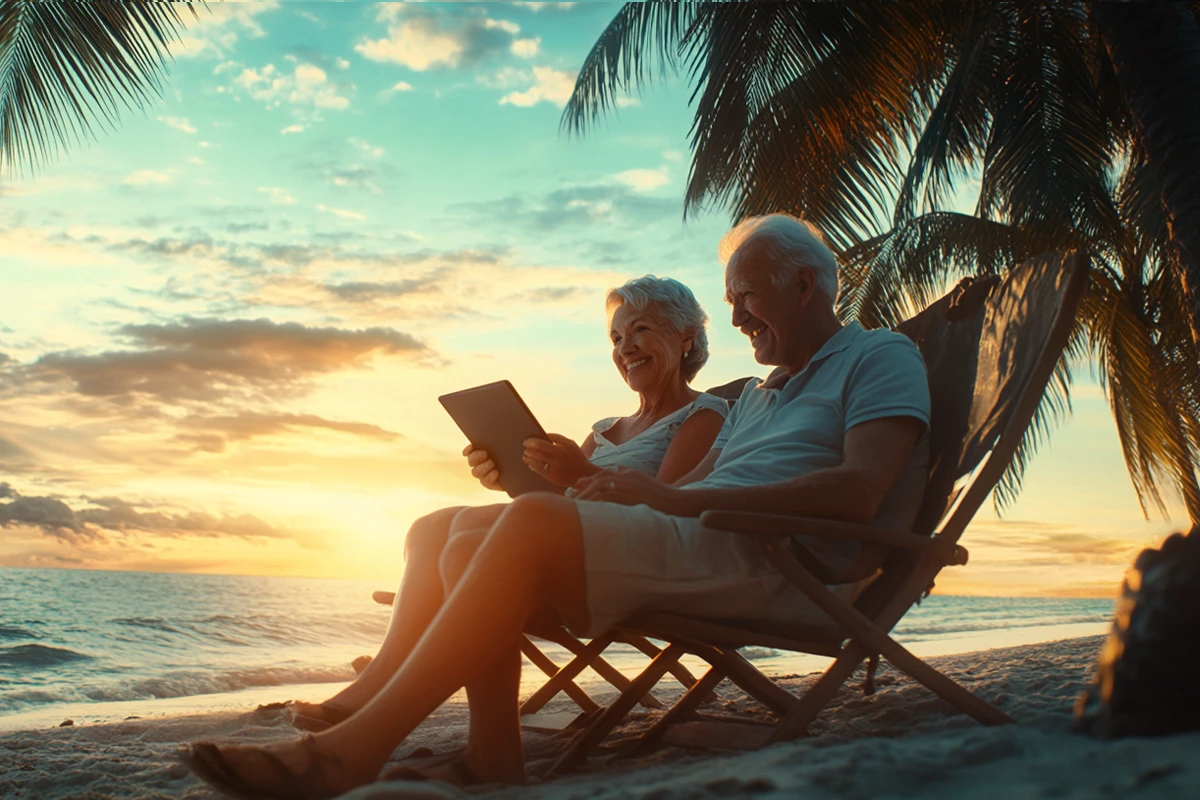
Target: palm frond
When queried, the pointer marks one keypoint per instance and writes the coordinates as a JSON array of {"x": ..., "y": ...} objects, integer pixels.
[
  {"x": 893, "y": 275},
  {"x": 642, "y": 40},
  {"x": 813, "y": 122},
  {"x": 67, "y": 66},
  {"x": 955, "y": 132},
  {"x": 1050, "y": 149}
]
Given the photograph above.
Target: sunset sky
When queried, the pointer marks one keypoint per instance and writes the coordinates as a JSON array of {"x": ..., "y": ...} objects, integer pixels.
[{"x": 225, "y": 324}]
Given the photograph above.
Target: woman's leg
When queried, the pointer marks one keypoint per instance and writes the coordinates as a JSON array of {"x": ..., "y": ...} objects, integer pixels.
[
  {"x": 494, "y": 751},
  {"x": 533, "y": 553},
  {"x": 418, "y": 600}
]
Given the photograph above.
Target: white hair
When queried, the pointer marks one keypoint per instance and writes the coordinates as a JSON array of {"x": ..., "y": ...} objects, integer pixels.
[
  {"x": 678, "y": 308},
  {"x": 790, "y": 243}
]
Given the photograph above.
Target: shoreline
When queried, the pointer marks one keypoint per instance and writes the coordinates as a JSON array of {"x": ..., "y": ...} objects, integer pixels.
[
  {"x": 902, "y": 741},
  {"x": 104, "y": 712}
]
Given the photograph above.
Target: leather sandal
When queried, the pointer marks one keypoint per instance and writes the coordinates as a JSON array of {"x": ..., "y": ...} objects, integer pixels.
[
  {"x": 325, "y": 718},
  {"x": 209, "y": 764}
]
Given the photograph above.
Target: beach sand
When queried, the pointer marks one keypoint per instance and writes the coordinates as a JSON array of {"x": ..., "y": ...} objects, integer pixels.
[{"x": 901, "y": 742}]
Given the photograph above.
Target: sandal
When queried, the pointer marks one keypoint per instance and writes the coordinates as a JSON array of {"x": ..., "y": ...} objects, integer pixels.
[
  {"x": 325, "y": 717},
  {"x": 208, "y": 763}
]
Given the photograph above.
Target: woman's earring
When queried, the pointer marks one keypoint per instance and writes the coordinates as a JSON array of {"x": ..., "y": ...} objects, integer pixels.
[{"x": 685, "y": 353}]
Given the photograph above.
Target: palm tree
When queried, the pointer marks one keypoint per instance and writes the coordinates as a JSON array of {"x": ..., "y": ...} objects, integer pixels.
[
  {"x": 868, "y": 117},
  {"x": 65, "y": 66}
]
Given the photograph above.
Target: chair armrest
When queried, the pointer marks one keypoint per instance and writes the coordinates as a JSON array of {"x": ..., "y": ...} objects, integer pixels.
[{"x": 780, "y": 525}]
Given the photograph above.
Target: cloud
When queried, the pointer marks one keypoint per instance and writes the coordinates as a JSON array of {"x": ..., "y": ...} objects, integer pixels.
[
  {"x": 178, "y": 123},
  {"x": 401, "y": 86},
  {"x": 366, "y": 148},
  {"x": 291, "y": 129},
  {"x": 644, "y": 180},
  {"x": 210, "y": 359},
  {"x": 575, "y": 206},
  {"x": 306, "y": 85},
  {"x": 535, "y": 7},
  {"x": 214, "y": 32},
  {"x": 366, "y": 291},
  {"x": 146, "y": 177},
  {"x": 211, "y": 433},
  {"x": 89, "y": 525},
  {"x": 6, "y": 490},
  {"x": 341, "y": 212},
  {"x": 428, "y": 39},
  {"x": 277, "y": 195},
  {"x": 526, "y": 48},
  {"x": 549, "y": 86}
]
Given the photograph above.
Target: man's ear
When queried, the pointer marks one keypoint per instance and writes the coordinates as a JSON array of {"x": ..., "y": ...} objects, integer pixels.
[{"x": 806, "y": 282}]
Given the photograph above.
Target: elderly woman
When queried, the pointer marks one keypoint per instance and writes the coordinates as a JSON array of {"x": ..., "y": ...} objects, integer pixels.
[{"x": 659, "y": 344}]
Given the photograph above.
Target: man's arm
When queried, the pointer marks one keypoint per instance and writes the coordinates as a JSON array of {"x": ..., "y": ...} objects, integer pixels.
[{"x": 875, "y": 454}]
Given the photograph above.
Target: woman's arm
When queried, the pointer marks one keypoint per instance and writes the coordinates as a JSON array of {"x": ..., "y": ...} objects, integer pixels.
[{"x": 691, "y": 444}]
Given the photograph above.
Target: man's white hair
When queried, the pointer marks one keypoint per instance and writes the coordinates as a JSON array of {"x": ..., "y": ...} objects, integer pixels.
[{"x": 790, "y": 243}]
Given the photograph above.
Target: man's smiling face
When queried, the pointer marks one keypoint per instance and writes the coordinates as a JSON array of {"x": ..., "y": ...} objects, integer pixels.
[{"x": 766, "y": 311}]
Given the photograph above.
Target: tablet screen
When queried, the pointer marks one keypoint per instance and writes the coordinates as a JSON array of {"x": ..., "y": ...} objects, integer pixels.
[{"x": 496, "y": 419}]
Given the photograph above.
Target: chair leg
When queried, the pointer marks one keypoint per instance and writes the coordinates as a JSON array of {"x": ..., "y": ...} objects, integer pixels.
[
  {"x": 681, "y": 673},
  {"x": 877, "y": 639},
  {"x": 606, "y": 670},
  {"x": 747, "y": 677},
  {"x": 946, "y": 688},
  {"x": 572, "y": 689},
  {"x": 583, "y": 744},
  {"x": 795, "y": 723},
  {"x": 567, "y": 674},
  {"x": 693, "y": 697}
]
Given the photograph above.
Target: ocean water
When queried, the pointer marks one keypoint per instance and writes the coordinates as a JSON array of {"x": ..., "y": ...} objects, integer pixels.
[{"x": 72, "y": 638}]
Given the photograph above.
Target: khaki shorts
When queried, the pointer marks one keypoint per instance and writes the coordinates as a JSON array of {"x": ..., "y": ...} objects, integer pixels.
[{"x": 638, "y": 559}]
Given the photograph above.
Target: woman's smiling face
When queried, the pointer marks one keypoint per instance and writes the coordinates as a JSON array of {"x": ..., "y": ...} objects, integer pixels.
[{"x": 645, "y": 349}]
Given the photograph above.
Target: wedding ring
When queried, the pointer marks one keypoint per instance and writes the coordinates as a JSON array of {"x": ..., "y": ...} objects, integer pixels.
[{"x": 545, "y": 466}]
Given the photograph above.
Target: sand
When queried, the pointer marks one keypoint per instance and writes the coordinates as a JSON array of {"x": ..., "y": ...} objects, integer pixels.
[{"x": 901, "y": 742}]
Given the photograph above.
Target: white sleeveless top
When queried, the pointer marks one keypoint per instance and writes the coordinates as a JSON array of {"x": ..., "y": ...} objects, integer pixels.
[{"x": 645, "y": 452}]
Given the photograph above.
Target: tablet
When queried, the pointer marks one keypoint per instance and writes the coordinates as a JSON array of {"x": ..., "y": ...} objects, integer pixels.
[{"x": 496, "y": 419}]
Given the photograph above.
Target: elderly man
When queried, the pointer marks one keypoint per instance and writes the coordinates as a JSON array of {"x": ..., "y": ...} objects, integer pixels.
[{"x": 836, "y": 431}]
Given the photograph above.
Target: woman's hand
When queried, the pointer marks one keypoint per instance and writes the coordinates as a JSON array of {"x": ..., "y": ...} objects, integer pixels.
[
  {"x": 629, "y": 487},
  {"x": 559, "y": 460},
  {"x": 483, "y": 468}
]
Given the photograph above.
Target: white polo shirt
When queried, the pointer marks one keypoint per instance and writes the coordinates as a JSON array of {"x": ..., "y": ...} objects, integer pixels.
[{"x": 772, "y": 435}]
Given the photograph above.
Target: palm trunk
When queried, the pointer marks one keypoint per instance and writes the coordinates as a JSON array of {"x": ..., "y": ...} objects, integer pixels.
[{"x": 1155, "y": 48}]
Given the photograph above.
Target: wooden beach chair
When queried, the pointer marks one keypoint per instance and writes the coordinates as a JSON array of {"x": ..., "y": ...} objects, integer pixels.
[
  {"x": 990, "y": 349},
  {"x": 589, "y": 655}
]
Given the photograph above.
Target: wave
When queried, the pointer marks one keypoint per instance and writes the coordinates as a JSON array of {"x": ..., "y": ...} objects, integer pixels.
[
  {"x": 37, "y": 655},
  {"x": 7, "y": 632},
  {"x": 188, "y": 683},
  {"x": 951, "y": 627}
]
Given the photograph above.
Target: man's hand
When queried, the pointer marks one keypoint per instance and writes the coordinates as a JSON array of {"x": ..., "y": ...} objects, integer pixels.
[
  {"x": 559, "y": 460},
  {"x": 632, "y": 488}
]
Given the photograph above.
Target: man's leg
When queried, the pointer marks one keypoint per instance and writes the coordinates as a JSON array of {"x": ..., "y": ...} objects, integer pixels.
[{"x": 533, "y": 553}]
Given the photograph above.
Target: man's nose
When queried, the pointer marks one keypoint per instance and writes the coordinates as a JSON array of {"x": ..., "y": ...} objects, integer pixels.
[{"x": 738, "y": 314}]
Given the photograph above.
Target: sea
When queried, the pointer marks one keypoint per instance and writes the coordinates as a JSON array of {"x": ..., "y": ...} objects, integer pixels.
[{"x": 102, "y": 646}]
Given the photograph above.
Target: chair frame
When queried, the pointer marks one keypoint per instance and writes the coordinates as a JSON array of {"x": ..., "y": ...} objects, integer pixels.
[{"x": 858, "y": 637}]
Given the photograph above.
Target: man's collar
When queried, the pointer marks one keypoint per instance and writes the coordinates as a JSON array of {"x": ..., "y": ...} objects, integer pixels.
[{"x": 834, "y": 344}]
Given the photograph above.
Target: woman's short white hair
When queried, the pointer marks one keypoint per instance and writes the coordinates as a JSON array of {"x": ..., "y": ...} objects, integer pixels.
[
  {"x": 790, "y": 243},
  {"x": 675, "y": 304}
]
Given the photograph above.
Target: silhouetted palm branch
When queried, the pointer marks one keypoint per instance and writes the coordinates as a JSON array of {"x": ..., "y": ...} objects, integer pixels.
[{"x": 65, "y": 66}]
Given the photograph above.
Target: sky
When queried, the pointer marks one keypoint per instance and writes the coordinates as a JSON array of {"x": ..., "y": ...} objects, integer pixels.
[{"x": 225, "y": 323}]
